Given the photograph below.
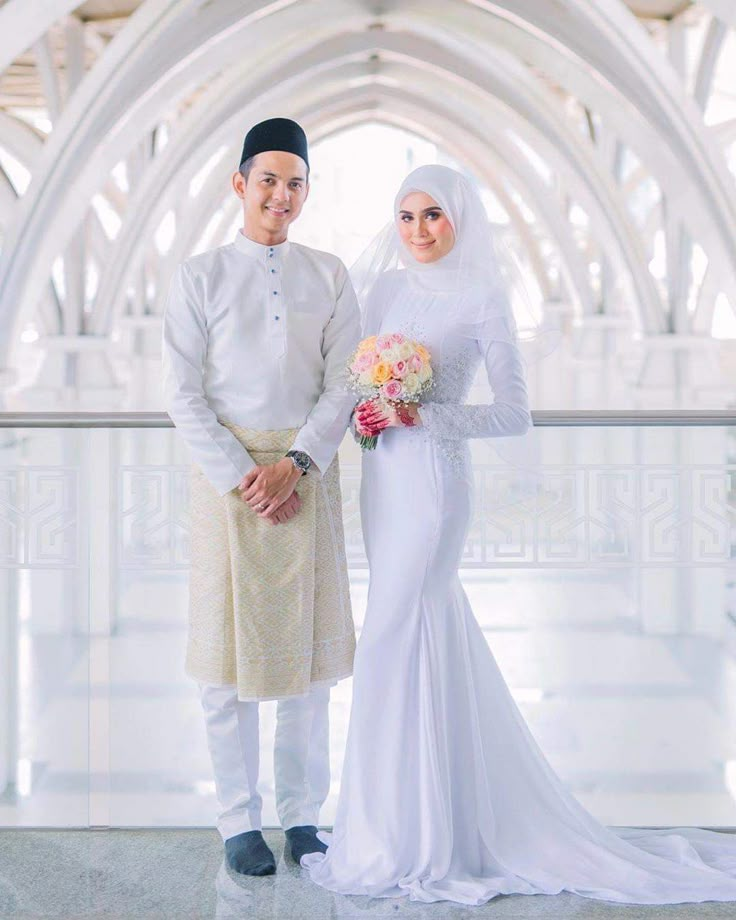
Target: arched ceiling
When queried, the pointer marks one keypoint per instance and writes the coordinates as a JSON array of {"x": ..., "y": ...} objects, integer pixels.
[{"x": 583, "y": 85}]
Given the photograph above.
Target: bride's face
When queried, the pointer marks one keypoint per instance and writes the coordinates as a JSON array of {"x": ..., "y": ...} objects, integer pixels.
[{"x": 424, "y": 228}]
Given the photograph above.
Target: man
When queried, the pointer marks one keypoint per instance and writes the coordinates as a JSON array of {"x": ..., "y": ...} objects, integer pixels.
[{"x": 256, "y": 339}]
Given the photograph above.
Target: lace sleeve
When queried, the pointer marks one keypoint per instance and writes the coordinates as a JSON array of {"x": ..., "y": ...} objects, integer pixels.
[{"x": 508, "y": 415}]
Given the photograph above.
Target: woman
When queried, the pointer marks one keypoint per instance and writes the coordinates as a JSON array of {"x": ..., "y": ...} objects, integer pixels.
[{"x": 445, "y": 794}]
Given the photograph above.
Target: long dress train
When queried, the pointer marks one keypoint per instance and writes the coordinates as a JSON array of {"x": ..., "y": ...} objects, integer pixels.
[{"x": 445, "y": 793}]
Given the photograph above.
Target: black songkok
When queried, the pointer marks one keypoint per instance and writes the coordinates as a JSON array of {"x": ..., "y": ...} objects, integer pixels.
[{"x": 275, "y": 134}]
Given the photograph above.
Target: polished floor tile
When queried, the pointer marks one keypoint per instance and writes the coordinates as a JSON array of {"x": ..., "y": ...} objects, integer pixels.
[{"x": 180, "y": 875}]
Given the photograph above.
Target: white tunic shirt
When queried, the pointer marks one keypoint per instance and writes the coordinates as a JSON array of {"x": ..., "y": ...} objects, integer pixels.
[{"x": 259, "y": 336}]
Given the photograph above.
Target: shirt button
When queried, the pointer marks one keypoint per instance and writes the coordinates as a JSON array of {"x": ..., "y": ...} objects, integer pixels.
[
  {"x": 276, "y": 293},
  {"x": 273, "y": 271},
  {"x": 275, "y": 317}
]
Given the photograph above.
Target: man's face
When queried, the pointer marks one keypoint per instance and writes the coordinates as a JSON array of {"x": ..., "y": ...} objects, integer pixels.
[{"x": 273, "y": 195}]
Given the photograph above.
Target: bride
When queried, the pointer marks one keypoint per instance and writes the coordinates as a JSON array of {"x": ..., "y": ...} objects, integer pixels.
[{"x": 445, "y": 794}]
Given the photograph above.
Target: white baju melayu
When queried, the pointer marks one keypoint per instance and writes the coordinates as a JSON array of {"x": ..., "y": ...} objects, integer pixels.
[
  {"x": 445, "y": 794},
  {"x": 259, "y": 336}
]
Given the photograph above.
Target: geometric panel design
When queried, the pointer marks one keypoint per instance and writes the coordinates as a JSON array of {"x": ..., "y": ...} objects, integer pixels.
[
  {"x": 580, "y": 517},
  {"x": 39, "y": 517},
  {"x": 608, "y": 517},
  {"x": 153, "y": 517}
]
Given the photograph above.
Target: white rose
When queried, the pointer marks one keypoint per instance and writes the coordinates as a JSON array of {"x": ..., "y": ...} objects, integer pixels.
[
  {"x": 366, "y": 379},
  {"x": 425, "y": 373},
  {"x": 405, "y": 350},
  {"x": 411, "y": 383},
  {"x": 390, "y": 355}
]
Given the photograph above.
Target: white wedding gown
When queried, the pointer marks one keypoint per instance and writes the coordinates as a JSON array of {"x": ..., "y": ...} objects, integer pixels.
[{"x": 445, "y": 794}]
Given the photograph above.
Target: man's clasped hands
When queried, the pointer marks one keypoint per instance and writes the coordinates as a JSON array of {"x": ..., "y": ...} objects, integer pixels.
[{"x": 270, "y": 490}]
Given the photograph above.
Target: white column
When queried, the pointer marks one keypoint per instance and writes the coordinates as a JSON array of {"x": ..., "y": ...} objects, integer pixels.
[
  {"x": 8, "y": 676},
  {"x": 9, "y": 606},
  {"x": 8, "y": 378},
  {"x": 139, "y": 349},
  {"x": 599, "y": 340},
  {"x": 76, "y": 373},
  {"x": 687, "y": 518},
  {"x": 602, "y": 380},
  {"x": 551, "y": 382}
]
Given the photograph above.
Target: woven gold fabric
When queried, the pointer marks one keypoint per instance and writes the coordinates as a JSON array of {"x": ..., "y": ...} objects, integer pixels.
[{"x": 269, "y": 606}]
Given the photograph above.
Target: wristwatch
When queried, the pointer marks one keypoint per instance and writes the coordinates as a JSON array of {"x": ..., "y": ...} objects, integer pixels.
[{"x": 300, "y": 460}]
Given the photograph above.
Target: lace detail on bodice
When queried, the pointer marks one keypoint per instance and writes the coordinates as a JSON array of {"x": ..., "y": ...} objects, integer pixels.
[
  {"x": 456, "y": 357},
  {"x": 451, "y": 422}
]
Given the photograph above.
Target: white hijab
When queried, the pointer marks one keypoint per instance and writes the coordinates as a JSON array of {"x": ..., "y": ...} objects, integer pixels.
[{"x": 477, "y": 271}]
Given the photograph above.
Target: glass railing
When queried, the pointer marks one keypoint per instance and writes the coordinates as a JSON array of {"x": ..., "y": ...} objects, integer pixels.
[{"x": 608, "y": 597}]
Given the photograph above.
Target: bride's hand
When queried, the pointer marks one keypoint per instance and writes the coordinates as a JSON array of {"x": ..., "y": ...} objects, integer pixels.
[
  {"x": 369, "y": 420},
  {"x": 398, "y": 415}
]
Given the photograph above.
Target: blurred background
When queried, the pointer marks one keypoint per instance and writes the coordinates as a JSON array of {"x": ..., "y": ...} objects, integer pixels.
[{"x": 603, "y": 136}]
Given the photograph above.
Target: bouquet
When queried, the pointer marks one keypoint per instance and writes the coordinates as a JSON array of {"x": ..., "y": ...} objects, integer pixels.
[{"x": 389, "y": 368}]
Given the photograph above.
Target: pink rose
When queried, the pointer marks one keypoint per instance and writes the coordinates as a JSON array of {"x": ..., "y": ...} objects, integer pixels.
[
  {"x": 391, "y": 390},
  {"x": 401, "y": 369},
  {"x": 382, "y": 342},
  {"x": 397, "y": 338},
  {"x": 415, "y": 363}
]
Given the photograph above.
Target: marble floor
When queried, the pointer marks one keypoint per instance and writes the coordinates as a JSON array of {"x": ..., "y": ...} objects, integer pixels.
[
  {"x": 640, "y": 726},
  {"x": 180, "y": 875}
]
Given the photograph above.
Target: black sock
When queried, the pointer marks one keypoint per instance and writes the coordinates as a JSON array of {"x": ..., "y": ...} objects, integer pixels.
[
  {"x": 304, "y": 840},
  {"x": 249, "y": 854}
]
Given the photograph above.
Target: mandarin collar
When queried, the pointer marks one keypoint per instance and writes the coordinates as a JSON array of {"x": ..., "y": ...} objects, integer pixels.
[{"x": 257, "y": 250}]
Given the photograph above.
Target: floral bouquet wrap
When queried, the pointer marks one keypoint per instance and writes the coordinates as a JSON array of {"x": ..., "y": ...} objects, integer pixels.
[{"x": 389, "y": 368}]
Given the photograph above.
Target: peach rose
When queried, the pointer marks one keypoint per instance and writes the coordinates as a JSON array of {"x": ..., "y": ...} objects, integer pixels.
[
  {"x": 368, "y": 344},
  {"x": 422, "y": 352},
  {"x": 381, "y": 373},
  {"x": 363, "y": 362}
]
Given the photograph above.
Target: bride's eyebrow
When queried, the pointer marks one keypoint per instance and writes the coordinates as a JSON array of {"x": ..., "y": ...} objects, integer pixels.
[{"x": 434, "y": 207}]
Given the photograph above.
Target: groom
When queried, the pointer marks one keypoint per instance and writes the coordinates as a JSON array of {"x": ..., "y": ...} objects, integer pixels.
[{"x": 256, "y": 338}]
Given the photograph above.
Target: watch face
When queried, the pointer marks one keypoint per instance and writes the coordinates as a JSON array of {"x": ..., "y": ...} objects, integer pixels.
[{"x": 301, "y": 459}]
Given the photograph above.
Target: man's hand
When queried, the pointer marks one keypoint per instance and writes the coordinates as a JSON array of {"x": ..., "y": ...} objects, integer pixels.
[
  {"x": 287, "y": 511},
  {"x": 266, "y": 488}
]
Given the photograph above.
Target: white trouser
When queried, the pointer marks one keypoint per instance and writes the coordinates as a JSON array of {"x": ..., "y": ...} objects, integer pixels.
[{"x": 300, "y": 755}]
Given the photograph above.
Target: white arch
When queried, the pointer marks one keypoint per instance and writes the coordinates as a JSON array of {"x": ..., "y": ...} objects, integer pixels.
[
  {"x": 204, "y": 130},
  {"x": 23, "y": 22},
  {"x": 723, "y": 9},
  {"x": 20, "y": 140},
  {"x": 712, "y": 46},
  {"x": 601, "y": 34},
  {"x": 537, "y": 109}
]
